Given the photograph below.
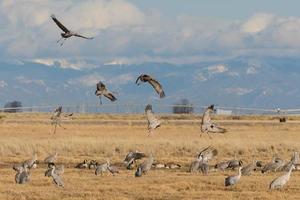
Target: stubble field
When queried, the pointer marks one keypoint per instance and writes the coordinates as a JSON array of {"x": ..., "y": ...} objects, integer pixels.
[{"x": 103, "y": 137}]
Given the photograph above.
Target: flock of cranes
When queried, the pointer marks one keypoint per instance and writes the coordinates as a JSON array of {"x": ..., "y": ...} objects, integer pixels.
[
  {"x": 132, "y": 161},
  {"x": 202, "y": 162}
]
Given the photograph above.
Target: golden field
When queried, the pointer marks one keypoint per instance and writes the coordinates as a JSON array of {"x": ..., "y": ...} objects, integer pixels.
[{"x": 110, "y": 137}]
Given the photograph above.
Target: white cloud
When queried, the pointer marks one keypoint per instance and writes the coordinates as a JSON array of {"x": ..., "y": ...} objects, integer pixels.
[
  {"x": 122, "y": 79},
  {"x": 88, "y": 80},
  {"x": 251, "y": 70},
  {"x": 3, "y": 84},
  {"x": 257, "y": 23},
  {"x": 77, "y": 64},
  {"x": 233, "y": 74},
  {"x": 24, "y": 80},
  {"x": 238, "y": 91},
  {"x": 200, "y": 77},
  {"x": 216, "y": 69}
]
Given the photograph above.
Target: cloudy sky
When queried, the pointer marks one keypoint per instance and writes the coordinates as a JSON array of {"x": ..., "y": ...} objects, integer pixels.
[{"x": 133, "y": 31}]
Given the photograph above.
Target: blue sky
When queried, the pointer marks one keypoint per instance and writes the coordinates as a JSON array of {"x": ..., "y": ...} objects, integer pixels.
[
  {"x": 229, "y": 9},
  {"x": 135, "y": 31},
  {"x": 197, "y": 33}
]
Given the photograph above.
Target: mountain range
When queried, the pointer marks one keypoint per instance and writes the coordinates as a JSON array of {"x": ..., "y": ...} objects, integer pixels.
[{"x": 243, "y": 82}]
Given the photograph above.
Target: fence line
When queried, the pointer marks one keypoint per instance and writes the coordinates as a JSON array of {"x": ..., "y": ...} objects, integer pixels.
[{"x": 158, "y": 108}]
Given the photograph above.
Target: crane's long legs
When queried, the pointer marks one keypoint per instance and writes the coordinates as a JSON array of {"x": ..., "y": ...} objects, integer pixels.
[
  {"x": 59, "y": 40},
  {"x": 62, "y": 43}
]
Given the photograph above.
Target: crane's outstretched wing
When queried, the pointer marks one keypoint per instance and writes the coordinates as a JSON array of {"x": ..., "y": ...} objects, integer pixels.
[
  {"x": 62, "y": 27},
  {"x": 110, "y": 96},
  {"x": 157, "y": 87},
  {"x": 207, "y": 153},
  {"x": 89, "y": 38}
]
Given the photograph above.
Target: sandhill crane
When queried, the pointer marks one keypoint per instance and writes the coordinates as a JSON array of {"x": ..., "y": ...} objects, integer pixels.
[
  {"x": 232, "y": 180},
  {"x": 67, "y": 33},
  {"x": 131, "y": 158},
  {"x": 101, "y": 90},
  {"x": 233, "y": 164},
  {"x": 154, "y": 83},
  {"x": 281, "y": 180},
  {"x": 274, "y": 165},
  {"x": 55, "y": 174},
  {"x": 172, "y": 165},
  {"x": 56, "y": 118},
  {"x": 92, "y": 164},
  {"x": 102, "y": 168},
  {"x": 295, "y": 158},
  {"x": 222, "y": 165},
  {"x": 201, "y": 162},
  {"x": 144, "y": 167},
  {"x": 23, "y": 175},
  {"x": 159, "y": 165},
  {"x": 59, "y": 170},
  {"x": 294, "y": 161},
  {"x": 246, "y": 170},
  {"x": 153, "y": 122},
  {"x": 207, "y": 154},
  {"x": 207, "y": 126},
  {"x": 31, "y": 163},
  {"x": 51, "y": 158},
  {"x": 113, "y": 170},
  {"x": 82, "y": 165}
]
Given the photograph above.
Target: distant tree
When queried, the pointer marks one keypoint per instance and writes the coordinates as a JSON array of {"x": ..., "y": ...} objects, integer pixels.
[
  {"x": 13, "y": 107},
  {"x": 183, "y": 107}
]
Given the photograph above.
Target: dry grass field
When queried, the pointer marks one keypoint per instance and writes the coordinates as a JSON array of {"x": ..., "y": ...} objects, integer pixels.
[{"x": 110, "y": 137}]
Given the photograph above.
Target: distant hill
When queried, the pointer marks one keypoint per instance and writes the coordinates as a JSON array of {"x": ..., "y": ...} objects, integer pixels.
[{"x": 267, "y": 82}]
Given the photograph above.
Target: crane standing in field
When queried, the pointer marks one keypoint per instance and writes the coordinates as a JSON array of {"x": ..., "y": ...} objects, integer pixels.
[
  {"x": 154, "y": 83},
  {"x": 233, "y": 180},
  {"x": 281, "y": 180},
  {"x": 207, "y": 126},
  {"x": 144, "y": 167},
  {"x": 67, "y": 33},
  {"x": 153, "y": 122},
  {"x": 101, "y": 90}
]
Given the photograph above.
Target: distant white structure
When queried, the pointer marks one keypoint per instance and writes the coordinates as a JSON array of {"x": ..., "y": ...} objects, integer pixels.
[{"x": 223, "y": 112}]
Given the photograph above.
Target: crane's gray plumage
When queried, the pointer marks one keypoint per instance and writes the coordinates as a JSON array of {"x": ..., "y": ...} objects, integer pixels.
[
  {"x": 30, "y": 163},
  {"x": 222, "y": 165},
  {"x": 113, "y": 170},
  {"x": 153, "y": 122},
  {"x": 207, "y": 154},
  {"x": 207, "y": 126},
  {"x": 67, "y": 33},
  {"x": 281, "y": 180},
  {"x": 83, "y": 165},
  {"x": 23, "y": 175},
  {"x": 154, "y": 83},
  {"x": 100, "y": 169},
  {"x": 144, "y": 167},
  {"x": 232, "y": 180},
  {"x": 92, "y": 164},
  {"x": 132, "y": 157},
  {"x": 59, "y": 170},
  {"x": 248, "y": 169},
  {"x": 274, "y": 165},
  {"x": 102, "y": 90},
  {"x": 56, "y": 118},
  {"x": 56, "y": 177}
]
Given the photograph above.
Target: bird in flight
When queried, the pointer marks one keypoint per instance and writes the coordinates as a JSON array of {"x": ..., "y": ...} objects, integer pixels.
[
  {"x": 155, "y": 84},
  {"x": 207, "y": 126},
  {"x": 66, "y": 32},
  {"x": 101, "y": 90}
]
